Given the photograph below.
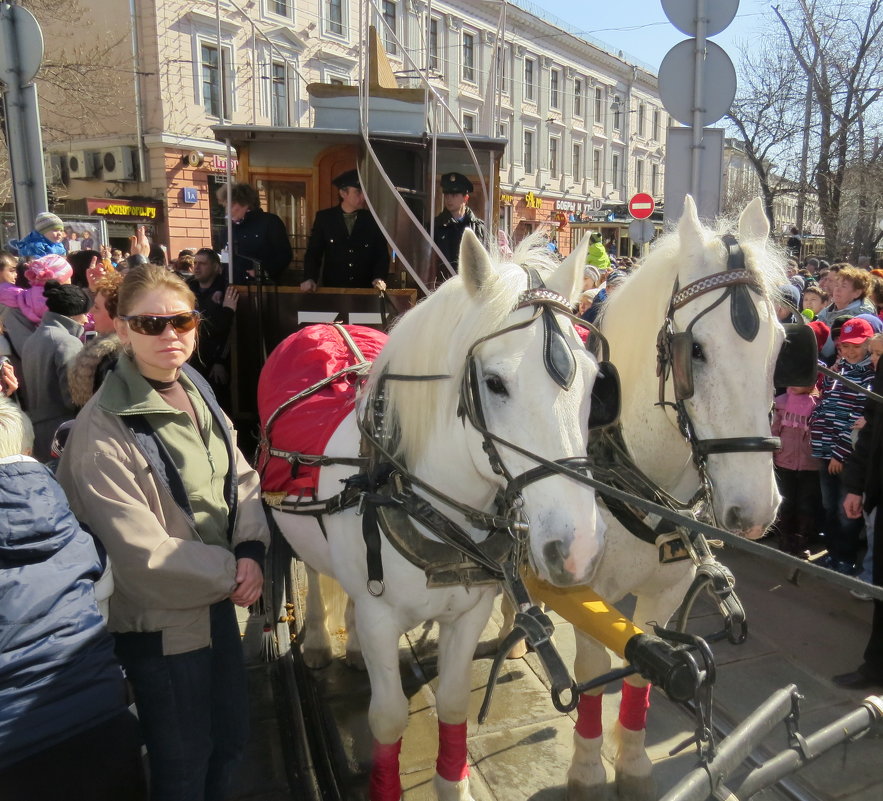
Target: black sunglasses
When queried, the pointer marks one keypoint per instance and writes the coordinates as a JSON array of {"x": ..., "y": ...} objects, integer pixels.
[{"x": 153, "y": 325}]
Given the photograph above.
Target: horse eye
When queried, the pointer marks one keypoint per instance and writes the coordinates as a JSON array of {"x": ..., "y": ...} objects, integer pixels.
[
  {"x": 698, "y": 354},
  {"x": 495, "y": 384}
]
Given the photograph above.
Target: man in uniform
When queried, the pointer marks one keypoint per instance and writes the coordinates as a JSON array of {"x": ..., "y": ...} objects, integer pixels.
[
  {"x": 346, "y": 247},
  {"x": 456, "y": 217}
]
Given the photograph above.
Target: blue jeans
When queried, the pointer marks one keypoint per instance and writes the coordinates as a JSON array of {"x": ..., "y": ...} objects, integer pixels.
[
  {"x": 841, "y": 533},
  {"x": 193, "y": 709}
]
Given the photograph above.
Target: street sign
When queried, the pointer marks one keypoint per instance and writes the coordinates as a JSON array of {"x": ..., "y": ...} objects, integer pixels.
[
  {"x": 22, "y": 50},
  {"x": 641, "y": 231},
  {"x": 641, "y": 206},
  {"x": 676, "y": 82},
  {"x": 678, "y": 155},
  {"x": 682, "y": 14}
]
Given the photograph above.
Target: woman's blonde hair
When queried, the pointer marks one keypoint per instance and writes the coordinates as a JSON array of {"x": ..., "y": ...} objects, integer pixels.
[
  {"x": 16, "y": 431},
  {"x": 147, "y": 278},
  {"x": 859, "y": 279}
]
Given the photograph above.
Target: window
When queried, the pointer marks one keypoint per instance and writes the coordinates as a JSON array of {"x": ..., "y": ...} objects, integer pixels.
[
  {"x": 217, "y": 89},
  {"x": 503, "y": 69},
  {"x": 656, "y": 116},
  {"x": 615, "y": 171},
  {"x": 433, "y": 45},
  {"x": 617, "y": 114},
  {"x": 468, "y": 123},
  {"x": 599, "y": 99},
  {"x": 654, "y": 179},
  {"x": 503, "y": 133},
  {"x": 282, "y": 8},
  {"x": 389, "y": 14},
  {"x": 279, "y": 95},
  {"x": 554, "y": 89},
  {"x": 334, "y": 17},
  {"x": 596, "y": 167},
  {"x": 469, "y": 57},
  {"x": 639, "y": 175},
  {"x": 642, "y": 120},
  {"x": 528, "y": 79},
  {"x": 578, "y": 97},
  {"x": 528, "y": 151},
  {"x": 577, "y": 162},
  {"x": 338, "y": 81},
  {"x": 553, "y": 156}
]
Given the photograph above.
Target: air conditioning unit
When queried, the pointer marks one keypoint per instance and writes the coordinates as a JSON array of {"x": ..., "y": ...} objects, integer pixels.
[
  {"x": 117, "y": 164},
  {"x": 80, "y": 164}
]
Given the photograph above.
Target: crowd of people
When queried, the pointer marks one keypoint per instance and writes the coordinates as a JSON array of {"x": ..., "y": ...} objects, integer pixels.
[{"x": 115, "y": 449}]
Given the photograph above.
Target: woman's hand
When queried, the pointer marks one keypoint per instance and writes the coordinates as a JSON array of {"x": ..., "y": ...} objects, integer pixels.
[
  {"x": 8, "y": 380},
  {"x": 249, "y": 582},
  {"x": 95, "y": 272}
]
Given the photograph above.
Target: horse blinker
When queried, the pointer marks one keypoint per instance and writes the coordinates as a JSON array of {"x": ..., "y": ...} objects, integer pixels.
[{"x": 797, "y": 364}]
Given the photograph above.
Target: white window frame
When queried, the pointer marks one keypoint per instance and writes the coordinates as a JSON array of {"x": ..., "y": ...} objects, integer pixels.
[
  {"x": 642, "y": 120},
  {"x": 503, "y": 133},
  {"x": 436, "y": 57},
  {"x": 555, "y": 88},
  {"x": 530, "y": 89},
  {"x": 576, "y": 161},
  {"x": 530, "y": 167},
  {"x": 615, "y": 169},
  {"x": 597, "y": 166},
  {"x": 271, "y": 95},
  {"x": 503, "y": 58},
  {"x": 328, "y": 24},
  {"x": 201, "y": 40},
  {"x": 468, "y": 122},
  {"x": 385, "y": 34},
  {"x": 270, "y": 10},
  {"x": 654, "y": 179},
  {"x": 657, "y": 116},
  {"x": 639, "y": 175},
  {"x": 578, "y": 98},
  {"x": 599, "y": 106},
  {"x": 555, "y": 156},
  {"x": 469, "y": 67}
]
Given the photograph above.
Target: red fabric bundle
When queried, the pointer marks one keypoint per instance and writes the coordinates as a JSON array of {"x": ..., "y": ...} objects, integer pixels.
[{"x": 303, "y": 359}]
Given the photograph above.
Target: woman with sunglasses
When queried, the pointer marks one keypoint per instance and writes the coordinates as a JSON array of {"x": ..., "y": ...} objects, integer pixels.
[{"x": 152, "y": 468}]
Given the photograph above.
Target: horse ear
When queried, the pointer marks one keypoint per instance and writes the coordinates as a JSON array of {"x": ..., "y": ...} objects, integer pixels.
[
  {"x": 475, "y": 267},
  {"x": 753, "y": 222},
  {"x": 689, "y": 226},
  {"x": 568, "y": 278}
]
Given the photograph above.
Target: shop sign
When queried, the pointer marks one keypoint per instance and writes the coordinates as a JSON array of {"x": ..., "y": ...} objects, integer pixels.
[
  {"x": 219, "y": 164},
  {"x": 506, "y": 200},
  {"x": 120, "y": 208},
  {"x": 578, "y": 206},
  {"x": 533, "y": 201}
]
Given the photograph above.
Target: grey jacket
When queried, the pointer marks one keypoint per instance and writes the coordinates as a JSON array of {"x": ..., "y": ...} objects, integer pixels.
[{"x": 46, "y": 356}]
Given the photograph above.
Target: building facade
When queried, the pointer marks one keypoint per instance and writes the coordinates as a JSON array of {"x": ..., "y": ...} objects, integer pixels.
[{"x": 586, "y": 129}]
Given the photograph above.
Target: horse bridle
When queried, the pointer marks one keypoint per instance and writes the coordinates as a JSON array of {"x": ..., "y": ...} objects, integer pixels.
[{"x": 674, "y": 351}]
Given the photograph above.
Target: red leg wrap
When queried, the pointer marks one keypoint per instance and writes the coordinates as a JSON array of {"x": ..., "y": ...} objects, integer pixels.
[
  {"x": 451, "y": 764},
  {"x": 633, "y": 707},
  {"x": 588, "y": 716},
  {"x": 385, "y": 782}
]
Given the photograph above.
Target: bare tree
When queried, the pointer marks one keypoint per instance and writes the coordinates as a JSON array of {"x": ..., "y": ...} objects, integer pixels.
[{"x": 837, "y": 45}]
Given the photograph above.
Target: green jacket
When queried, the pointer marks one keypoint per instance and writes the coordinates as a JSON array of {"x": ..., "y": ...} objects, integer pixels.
[
  {"x": 598, "y": 257},
  {"x": 170, "y": 562}
]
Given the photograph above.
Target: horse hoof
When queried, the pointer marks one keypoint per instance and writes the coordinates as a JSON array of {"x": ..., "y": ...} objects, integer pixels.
[
  {"x": 355, "y": 660},
  {"x": 519, "y": 650},
  {"x": 317, "y": 658},
  {"x": 635, "y": 788},
  {"x": 577, "y": 791}
]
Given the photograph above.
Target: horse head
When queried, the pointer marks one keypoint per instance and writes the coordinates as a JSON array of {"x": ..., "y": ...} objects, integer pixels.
[
  {"x": 709, "y": 302},
  {"x": 517, "y": 384}
]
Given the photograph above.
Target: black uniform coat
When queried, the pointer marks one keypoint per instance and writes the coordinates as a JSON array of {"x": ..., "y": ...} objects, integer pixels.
[
  {"x": 342, "y": 259},
  {"x": 448, "y": 233},
  {"x": 863, "y": 474},
  {"x": 262, "y": 236}
]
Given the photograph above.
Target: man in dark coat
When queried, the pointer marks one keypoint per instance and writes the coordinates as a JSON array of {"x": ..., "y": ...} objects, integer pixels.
[
  {"x": 863, "y": 475},
  {"x": 346, "y": 247},
  {"x": 456, "y": 217},
  {"x": 258, "y": 236}
]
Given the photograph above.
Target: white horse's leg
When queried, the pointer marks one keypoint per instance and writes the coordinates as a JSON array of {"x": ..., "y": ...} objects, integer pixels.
[
  {"x": 508, "y": 611},
  {"x": 316, "y": 640},
  {"x": 354, "y": 657},
  {"x": 456, "y": 648},
  {"x": 587, "y": 778},
  {"x": 388, "y": 710}
]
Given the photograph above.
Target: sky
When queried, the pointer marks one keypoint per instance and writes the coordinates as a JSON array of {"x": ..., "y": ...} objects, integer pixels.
[{"x": 641, "y": 29}]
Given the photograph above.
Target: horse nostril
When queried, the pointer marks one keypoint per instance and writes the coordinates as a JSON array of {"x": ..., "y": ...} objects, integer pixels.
[
  {"x": 733, "y": 519},
  {"x": 554, "y": 554}
]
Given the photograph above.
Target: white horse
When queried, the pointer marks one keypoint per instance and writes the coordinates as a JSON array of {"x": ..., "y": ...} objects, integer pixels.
[
  {"x": 732, "y": 393},
  {"x": 484, "y": 312}
]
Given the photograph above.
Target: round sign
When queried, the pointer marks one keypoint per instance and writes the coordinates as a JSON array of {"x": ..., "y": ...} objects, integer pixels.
[
  {"x": 682, "y": 14},
  {"x": 641, "y": 231},
  {"x": 676, "y": 82},
  {"x": 21, "y": 46},
  {"x": 641, "y": 206}
]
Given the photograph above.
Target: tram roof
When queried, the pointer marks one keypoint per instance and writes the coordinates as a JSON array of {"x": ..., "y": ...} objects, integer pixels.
[{"x": 243, "y": 134}]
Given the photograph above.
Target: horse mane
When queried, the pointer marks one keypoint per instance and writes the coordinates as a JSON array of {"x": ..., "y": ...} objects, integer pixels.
[
  {"x": 649, "y": 289},
  {"x": 434, "y": 337}
]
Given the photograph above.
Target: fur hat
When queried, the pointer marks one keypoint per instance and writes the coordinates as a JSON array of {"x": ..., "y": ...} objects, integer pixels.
[
  {"x": 47, "y": 221},
  {"x": 51, "y": 267},
  {"x": 66, "y": 299}
]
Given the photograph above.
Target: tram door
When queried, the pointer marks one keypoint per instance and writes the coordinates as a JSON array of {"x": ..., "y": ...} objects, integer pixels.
[{"x": 288, "y": 200}]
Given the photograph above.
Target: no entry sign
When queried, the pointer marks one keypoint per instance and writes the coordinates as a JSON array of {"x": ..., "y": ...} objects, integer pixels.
[{"x": 641, "y": 206}]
